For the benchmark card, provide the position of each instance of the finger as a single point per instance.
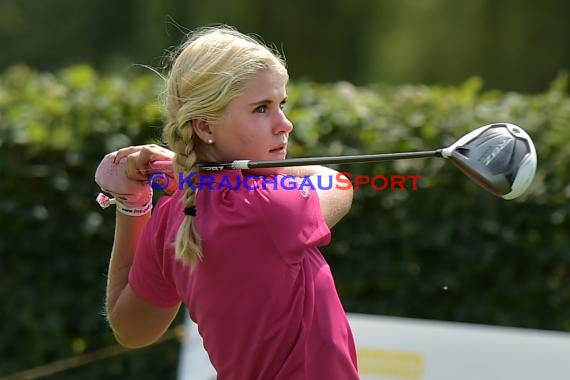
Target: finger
(159, 166)
(125, 152)
(161, 153)
(155, 153)
(153, 158)
(151, 152)
(145, 158)
(132, 169)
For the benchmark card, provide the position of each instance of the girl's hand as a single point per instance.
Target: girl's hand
(126, 176)
(140, 159)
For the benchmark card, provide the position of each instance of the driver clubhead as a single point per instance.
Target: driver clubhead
(500, 157)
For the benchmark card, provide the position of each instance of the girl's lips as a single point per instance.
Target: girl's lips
(279, 149)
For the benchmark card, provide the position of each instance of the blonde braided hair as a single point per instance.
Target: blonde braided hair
(188, 247)
(210, 69)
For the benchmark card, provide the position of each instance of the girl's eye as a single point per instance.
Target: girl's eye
(282, 104)
(261, 109)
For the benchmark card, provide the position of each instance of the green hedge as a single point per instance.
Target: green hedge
(447, 251)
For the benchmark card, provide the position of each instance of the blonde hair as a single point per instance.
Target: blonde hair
(210, 69)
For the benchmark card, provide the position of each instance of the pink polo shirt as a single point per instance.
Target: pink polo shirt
(263, 297)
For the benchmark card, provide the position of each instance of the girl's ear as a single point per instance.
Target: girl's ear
(202, 130)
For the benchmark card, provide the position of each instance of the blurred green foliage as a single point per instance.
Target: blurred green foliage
(515, 45)
(447, 251)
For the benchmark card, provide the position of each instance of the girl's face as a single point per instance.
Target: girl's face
(254, 126)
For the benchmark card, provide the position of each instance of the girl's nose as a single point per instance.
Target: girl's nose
(283, 124)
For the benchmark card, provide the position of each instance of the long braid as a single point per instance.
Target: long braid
(188, 243)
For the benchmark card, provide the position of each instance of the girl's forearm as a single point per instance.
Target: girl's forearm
(128, 230)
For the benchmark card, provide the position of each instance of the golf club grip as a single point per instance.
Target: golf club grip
(251, 164)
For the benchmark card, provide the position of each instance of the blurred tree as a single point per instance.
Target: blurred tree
(518, 45)
(513, 45)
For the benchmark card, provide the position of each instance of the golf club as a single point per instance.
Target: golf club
(499, 157)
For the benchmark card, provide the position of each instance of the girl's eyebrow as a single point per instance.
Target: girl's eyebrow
(266, 101)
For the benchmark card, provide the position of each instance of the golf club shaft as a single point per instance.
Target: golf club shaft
(251, 164)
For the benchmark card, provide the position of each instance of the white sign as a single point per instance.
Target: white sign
(411, 349)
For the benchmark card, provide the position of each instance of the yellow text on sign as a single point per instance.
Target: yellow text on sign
(401, 364)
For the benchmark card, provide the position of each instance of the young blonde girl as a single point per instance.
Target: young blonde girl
(244, 260)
